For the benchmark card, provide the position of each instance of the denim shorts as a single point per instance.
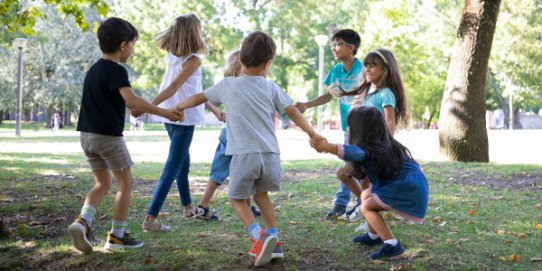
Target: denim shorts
(220, 168)
(254, 172)
(106, 152)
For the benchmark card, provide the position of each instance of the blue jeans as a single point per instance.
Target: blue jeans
(177, 167)
(342, 196)
(220, 168)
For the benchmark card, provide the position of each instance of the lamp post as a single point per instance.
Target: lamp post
(321, 40)
(20, 43)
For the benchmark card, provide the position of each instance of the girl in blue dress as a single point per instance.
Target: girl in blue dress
(396, 182)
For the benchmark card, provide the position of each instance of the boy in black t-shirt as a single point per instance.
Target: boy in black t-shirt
(106, 94)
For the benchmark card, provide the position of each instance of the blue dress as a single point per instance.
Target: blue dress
(406, 193)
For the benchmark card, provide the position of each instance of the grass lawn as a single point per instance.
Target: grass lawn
(480, 217)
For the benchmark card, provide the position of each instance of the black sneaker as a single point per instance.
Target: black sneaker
(113, 242)
(255, 211)
(366, 240)
(387, 250)
(338, 210)
(81, 235)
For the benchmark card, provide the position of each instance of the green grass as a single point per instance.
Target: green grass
(468, 227)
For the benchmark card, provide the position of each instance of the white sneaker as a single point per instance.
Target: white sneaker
(363, 227)
(355, 216)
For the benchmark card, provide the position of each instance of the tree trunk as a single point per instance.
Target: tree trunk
(462, 127)
(502, 101)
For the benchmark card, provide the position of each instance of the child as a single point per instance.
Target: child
(106, 93)
(345, 75)
(383, 89)
(250, 101)
(220, 167)
(182, 79)
(390, 167)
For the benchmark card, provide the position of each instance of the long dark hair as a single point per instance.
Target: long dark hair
(391, 78)
(369, 131)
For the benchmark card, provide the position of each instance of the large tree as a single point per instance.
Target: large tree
(462, 127)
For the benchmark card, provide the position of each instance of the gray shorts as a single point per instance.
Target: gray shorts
(253, 172)
(106, 152)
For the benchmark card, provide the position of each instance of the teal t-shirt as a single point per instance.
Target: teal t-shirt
(380, 99)
(347, 81)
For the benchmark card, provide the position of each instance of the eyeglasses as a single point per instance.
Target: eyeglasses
(337, 44)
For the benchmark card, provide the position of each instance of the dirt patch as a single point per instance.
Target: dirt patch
(515, 182)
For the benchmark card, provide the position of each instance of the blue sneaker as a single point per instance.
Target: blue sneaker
(366, 240)
(387, 250)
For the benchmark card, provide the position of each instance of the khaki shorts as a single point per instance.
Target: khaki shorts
(106, 152)
(253, 172)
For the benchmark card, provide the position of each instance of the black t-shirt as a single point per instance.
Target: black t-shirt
(102, 107)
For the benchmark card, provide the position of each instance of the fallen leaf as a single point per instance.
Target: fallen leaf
(536, 259)
(377, 262)
(497, 197)
(453, 229)
(461, 240)
(103, 217)
(508, 242)
(540, 216)
(163, 215)
(148, 260)
(513, 258)
(538, 226)
(522, 235)
(400, 267)
(437, 219)
(200, 234)
(472, 212)
(295, 223)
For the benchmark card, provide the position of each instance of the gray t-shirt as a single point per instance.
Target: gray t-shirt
(250, 103)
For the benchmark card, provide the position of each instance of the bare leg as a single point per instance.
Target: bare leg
(371, 211)
(102, 184)
(350, 182)
(266, 208)
(243, 211)
(124, 192)
(208, 193)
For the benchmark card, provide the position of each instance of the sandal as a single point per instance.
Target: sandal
(155, 226)
(208, 214)
(192, 212)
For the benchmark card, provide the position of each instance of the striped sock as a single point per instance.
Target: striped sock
(87, 213)
(254, 231)
(118, 227)
(272, 232)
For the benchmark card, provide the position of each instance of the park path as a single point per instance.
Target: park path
(506, 146)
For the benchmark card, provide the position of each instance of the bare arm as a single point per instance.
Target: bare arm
(192, 101)
(136, 103)
(322, 146)
(189, 67)
(320, 100)
(221, 116)
(389, 117)
(293, 113)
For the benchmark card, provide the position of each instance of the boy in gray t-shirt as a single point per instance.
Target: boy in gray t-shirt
(250, 103)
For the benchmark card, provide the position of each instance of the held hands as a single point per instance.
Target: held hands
(135, 113)
(174, 114)
(221, 116)
(300, 106)
(317, 141)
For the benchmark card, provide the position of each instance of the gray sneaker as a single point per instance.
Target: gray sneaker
(81, 235)
(277, 251)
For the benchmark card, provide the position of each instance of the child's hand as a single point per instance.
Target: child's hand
(135, 113)
(300, 106)
(321, 146)
(221, 116)
(175, 115)
(333, 92)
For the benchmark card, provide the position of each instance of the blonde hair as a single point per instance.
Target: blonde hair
(183, 37)
(233, 65)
